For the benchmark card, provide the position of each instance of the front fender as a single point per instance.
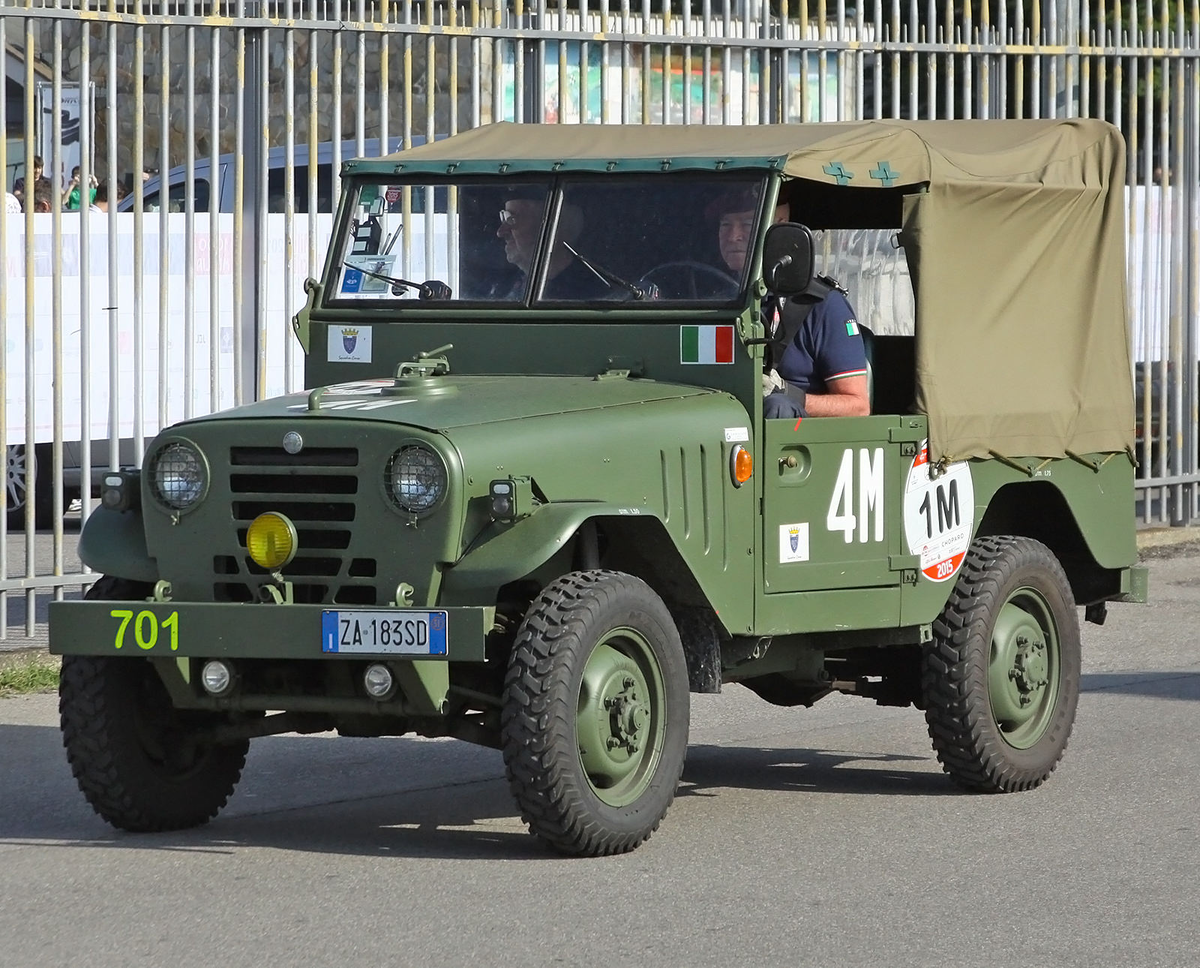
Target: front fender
(114, 543)
(506, 552)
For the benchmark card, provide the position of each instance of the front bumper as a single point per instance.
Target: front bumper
(279, 651)
(232, 630)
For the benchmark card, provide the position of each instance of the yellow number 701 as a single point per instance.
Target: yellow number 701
(145, 628)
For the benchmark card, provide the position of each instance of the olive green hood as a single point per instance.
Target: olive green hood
(446, 402)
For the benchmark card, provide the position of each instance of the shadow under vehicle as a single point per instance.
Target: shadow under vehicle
(538, 516)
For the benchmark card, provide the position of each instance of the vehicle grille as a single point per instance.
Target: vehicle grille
(317, 489)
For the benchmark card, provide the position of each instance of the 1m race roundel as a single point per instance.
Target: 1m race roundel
(939, 515)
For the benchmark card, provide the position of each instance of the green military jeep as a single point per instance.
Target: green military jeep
(533, 502)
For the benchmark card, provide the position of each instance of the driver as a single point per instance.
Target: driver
(567, 277)
(821, 371)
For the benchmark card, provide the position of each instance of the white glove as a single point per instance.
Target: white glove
(772, 382)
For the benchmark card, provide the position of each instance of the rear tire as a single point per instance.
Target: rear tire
(1001, 677)
(142, 764)
(595, 720)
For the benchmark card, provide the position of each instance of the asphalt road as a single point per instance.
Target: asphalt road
(822, 837)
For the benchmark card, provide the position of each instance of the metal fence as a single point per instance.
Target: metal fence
(227, 123)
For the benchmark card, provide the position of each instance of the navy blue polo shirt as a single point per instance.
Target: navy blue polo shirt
(827, 346)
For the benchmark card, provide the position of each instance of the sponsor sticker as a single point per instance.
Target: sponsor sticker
(793, 542)
(705, 344)
(349, 344)
(939, 515)
(737, 435)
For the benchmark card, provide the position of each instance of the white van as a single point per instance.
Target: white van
(206, 185)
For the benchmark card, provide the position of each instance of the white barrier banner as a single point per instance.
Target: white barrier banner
(171, 347)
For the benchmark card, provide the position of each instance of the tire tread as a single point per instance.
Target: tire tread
(537, 723)
(957, 711)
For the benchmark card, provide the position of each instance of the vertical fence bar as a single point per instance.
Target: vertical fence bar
(705, 59)
(431, 122)
(239, 215)
(30, 427)
(335, 128)
(261, 154)
(139, 259)
(189, 216)
(289, 197)
(56, 295)
(686, 29)
(314, 161)
(1190, 146)
(214, 222)
(897, 35)
(164, 238)
(360, 88)
(114, 290)
(86, 175)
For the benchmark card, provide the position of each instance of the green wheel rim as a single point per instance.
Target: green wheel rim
(621, 717)
(1024, 668)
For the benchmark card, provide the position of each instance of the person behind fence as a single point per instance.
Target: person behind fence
(73, 196)
(817, 366)
(567, 276)
(41, 200)
(37, 183)
(100, 198)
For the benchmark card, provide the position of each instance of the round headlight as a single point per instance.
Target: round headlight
(416, 478)
(178, 475)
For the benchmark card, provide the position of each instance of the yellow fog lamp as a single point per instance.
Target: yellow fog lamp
(741, 465)
(271, 540)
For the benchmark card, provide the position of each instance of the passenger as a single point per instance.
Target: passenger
(820, 370)
(567, 276)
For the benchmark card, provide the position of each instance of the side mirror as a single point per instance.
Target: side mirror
(788, 258)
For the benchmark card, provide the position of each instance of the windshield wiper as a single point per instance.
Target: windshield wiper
(432, 290)
(610, 278)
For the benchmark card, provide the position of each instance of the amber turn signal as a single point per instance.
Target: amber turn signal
(741, 465)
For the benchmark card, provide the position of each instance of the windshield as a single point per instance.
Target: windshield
(636, 239)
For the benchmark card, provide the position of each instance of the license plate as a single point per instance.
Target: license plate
(384, 632)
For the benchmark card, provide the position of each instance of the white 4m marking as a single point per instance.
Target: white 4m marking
(841, 515)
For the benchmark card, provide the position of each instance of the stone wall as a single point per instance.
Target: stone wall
(403, 105)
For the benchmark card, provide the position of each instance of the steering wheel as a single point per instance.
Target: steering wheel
(688, 279)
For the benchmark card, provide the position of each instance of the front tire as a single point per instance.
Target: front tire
(142, 764)
(1001, 677)
(594, 727)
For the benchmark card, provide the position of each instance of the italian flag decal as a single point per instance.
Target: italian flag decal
(705, 344)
